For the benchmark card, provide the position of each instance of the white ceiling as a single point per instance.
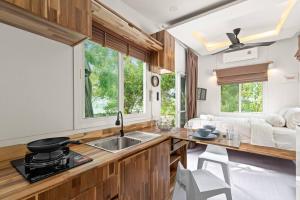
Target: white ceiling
(253, 16)
(165, 11)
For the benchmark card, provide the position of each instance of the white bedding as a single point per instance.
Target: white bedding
(251, 130)
(262, 133)
(284, 138)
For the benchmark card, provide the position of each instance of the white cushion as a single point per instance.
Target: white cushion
(275, 120)
(292, 117)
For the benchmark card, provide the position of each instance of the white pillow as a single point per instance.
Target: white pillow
(283, 111)
(275, 120)
(292, 117)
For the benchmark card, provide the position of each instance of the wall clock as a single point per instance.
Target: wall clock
(154, 81)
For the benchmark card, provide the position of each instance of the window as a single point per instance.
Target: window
(133, 85)
(168, 100)
(245, 97)
(113, 82)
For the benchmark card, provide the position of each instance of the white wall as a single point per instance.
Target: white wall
(37, 88)
(36, 85)
(278, 93)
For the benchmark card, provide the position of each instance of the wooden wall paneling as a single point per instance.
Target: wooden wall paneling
(134, 177)
(107, 181)
(159, 171)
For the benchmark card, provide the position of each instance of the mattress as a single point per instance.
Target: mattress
(284, 138)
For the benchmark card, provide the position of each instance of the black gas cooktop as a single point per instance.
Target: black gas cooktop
(35, 167)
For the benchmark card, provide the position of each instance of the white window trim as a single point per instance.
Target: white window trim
(80, 122)
(240, 113)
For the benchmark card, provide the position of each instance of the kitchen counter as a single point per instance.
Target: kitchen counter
(14, 186)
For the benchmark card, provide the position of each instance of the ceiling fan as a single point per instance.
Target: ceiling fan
(236, 45)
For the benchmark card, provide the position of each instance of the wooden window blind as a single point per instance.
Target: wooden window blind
(243, 74)
(114, 41)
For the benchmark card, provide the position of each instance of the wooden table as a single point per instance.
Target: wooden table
(233, 145)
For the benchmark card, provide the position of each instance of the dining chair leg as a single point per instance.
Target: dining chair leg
(228, 194)
(226, 173)
(200, 163)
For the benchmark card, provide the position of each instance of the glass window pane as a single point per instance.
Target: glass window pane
(182, 93)
(101, 80)
(133, 85)
(252, 97)
(230, 98)
(168, 96)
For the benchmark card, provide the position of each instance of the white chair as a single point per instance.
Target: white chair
(216, 154)
(198, 185)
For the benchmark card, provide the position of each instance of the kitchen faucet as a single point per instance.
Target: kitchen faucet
(118, 122)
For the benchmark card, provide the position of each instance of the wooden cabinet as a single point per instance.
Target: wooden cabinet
(142, 176)
(90, 194)
(159, 171)
(72, 14)
(134, 177)
(67, 21)
(107, 181)
(164, 60)
(146, 175)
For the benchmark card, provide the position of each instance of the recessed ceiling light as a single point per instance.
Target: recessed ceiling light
(173, 8)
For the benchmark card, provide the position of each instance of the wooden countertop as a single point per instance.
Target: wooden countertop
(243, 147)
(14, 186)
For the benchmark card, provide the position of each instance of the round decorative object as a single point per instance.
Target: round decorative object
(154, 81)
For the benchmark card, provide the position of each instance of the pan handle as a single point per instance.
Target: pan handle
(64, 143)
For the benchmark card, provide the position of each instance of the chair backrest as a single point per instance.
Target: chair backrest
(186, 187)
(216, 149)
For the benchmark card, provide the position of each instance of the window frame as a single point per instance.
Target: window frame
(80, 122)
(264, 100)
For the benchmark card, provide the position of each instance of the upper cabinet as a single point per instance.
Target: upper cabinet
(164, 60)
(66, 21)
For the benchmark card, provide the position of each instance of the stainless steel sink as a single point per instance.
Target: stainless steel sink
(116, 144)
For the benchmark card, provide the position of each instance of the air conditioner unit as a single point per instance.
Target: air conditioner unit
(246, 54)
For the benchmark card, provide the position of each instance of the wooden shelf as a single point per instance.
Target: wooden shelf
(178, 145)
(18, 17)
(118, 24)
(174, 159)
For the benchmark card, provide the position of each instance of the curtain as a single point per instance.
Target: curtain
(297, 55)
(88, 92)
(243, 74)
(192, 81)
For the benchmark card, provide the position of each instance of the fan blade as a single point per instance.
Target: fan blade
(259, 44)
(237, 31)
(223, 51)
(232, 38)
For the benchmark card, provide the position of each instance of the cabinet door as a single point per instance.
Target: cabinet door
(107, 181)
(72, 14)
(37, 7)
(160, 171)
(90, 194)
(134, 177)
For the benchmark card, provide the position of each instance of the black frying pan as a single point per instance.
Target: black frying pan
(49, 144)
